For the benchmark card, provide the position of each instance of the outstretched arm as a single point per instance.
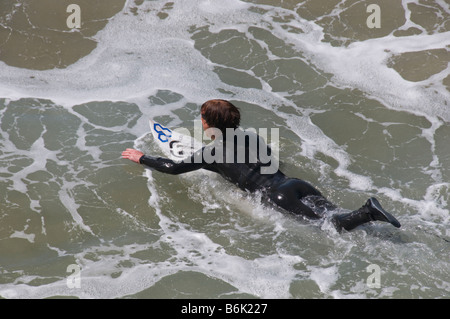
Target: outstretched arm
(161, 164)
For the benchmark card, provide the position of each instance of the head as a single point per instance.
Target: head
(220, 114)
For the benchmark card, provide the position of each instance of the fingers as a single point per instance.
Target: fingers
(132, 154)
(128, 151)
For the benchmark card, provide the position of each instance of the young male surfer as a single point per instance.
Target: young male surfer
(291, 194)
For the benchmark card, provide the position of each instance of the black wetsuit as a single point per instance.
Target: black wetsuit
(277, 188)
(240, 163)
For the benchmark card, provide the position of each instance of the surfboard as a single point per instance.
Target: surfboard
(177, 144)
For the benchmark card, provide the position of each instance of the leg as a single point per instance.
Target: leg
(371, 211)
(319, 204)
(289, 194)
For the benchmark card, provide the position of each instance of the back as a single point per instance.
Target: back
(242, 157)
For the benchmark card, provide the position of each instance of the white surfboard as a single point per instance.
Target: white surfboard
(173, 143)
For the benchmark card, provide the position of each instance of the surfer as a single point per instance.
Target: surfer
(291, 194)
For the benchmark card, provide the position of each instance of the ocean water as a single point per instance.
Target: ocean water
(361, 111)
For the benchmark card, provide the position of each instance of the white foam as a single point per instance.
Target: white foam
(72, 207)
(324, 277)
(315, 141)
(134, 58)
(23, 235)
(220, 7)
(137, 55)
(363, 65)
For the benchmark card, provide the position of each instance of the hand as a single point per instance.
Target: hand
(132, 155)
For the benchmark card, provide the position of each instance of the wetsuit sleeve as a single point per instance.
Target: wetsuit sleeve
(168, 166)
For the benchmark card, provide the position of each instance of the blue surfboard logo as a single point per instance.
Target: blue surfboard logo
(163, 132)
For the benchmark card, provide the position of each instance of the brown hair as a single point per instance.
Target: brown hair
(221, 114)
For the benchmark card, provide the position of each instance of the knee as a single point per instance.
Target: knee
(293, 205)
